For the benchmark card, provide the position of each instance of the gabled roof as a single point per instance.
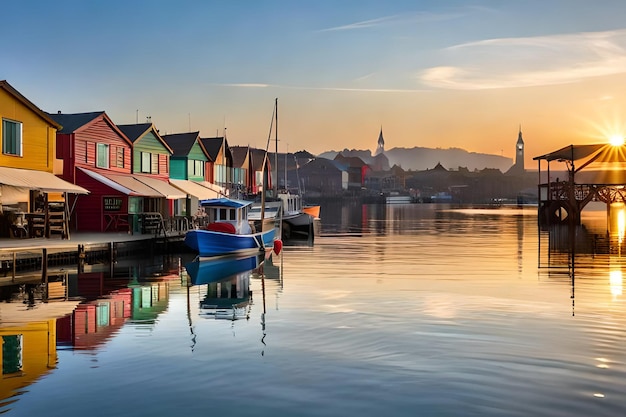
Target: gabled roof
(72, 122)
(4, 85)
(213, 146)
(181, 143)
(75, 122)
(239, 155)
(136, 131)
(256, 159)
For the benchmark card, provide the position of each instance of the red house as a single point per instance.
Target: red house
(97, 156)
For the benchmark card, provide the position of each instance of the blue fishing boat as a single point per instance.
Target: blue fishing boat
(228, 230)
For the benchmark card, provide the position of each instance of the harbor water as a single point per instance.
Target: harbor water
(403, 310)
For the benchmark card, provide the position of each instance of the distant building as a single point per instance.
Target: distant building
(518, 167)
(322, 177)
(379, 162)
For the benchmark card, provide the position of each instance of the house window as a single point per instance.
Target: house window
(199, 168)
(120, 156)
(146, 162)
(11, 137)
(155, 163)
(102, 155)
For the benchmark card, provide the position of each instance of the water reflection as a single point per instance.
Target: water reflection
(77, 308)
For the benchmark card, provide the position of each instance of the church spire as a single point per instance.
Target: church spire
(381, 143)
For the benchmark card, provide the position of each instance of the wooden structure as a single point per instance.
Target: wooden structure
(593, 173)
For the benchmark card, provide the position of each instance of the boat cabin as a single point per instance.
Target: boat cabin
(221, 211)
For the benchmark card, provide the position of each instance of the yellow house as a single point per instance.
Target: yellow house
(28, 133)
(28, 165)
(28, 353)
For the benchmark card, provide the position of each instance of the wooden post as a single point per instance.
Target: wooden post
(44, 271)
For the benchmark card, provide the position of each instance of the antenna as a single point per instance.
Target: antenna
(189, 121)
(137, 116)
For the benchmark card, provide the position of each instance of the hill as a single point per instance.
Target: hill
(420, 159)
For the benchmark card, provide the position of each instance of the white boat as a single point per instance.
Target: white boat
(294, 222)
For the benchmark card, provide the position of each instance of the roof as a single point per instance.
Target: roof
(351, 161)
(239, 154)
(136, 131)
(4, 85)
(37, 180)
(213, 146)
(571, 153)
(181, 143)
(72, 122)
(224, 202)
(256, 159)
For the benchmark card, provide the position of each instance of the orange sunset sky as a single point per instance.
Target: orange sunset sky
(430, 73)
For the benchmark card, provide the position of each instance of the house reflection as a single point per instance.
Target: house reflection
(31, 336)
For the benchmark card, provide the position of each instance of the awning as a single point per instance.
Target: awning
(170, 192)
(195, 189)
(213, 187)
(124, 183)
(38, 180)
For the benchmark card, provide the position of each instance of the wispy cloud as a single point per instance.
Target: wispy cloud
(530, 61)
(395, 20)
(245, 85)
(310, 88)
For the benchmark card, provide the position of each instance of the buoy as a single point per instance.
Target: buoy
(278, 245)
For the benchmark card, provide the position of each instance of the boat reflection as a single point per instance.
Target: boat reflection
(227, 280)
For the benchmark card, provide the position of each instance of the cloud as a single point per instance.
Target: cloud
(395, 20)
(245, 85)
(530, 61)
(300, 87)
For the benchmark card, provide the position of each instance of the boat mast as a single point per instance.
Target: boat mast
(276, 153)
(265, 175)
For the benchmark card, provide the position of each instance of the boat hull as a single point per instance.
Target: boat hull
(298, 226)
(213, 243)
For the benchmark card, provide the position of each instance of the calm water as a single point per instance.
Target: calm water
(408, 310)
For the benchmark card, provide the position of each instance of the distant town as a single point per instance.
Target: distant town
(359, 174)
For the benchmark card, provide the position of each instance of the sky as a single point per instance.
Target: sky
(429, 73)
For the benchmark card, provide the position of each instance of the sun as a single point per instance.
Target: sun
(616, 140)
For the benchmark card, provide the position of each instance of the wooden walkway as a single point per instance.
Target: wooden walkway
(77, 238)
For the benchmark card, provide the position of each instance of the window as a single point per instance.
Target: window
(11, 137)
(102, 155)
(155, 163)
(146, 162)
(199, 169)
(120, 156)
